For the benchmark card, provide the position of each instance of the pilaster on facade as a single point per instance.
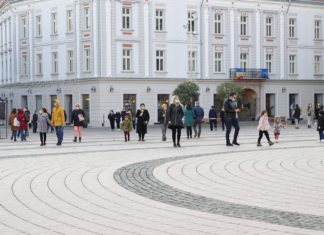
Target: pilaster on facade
(282, 45)
(95, 38)
(31, 44)
(232, 37)
(18, 56)
(108, 38)
(146, 39)
(78, 38)
(205, 63)
(258, 38)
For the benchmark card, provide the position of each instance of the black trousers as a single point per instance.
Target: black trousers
(176, 132)
(35, 127)
(261, 135)
(42, 137)
(229, 123)
(112, 125)
(213, 124)
(118, 124)
(223, 124)
(141, 135)
(189, 131)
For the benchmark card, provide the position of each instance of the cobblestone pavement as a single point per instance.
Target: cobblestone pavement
(106, 186)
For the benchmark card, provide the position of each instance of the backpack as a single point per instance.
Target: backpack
(16, 123)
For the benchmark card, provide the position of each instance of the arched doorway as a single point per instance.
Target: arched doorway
(248, 105)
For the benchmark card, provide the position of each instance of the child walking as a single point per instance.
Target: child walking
(263, 128)
(127, 128)
(320, 125)
(277, 128)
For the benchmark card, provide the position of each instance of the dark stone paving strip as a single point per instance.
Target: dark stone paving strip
(139, 179)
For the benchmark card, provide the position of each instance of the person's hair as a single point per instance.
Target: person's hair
(77, 105)
(296, 106)
(14, 111)
(232, 94)
(263, 112)
(277, 119)
(188, 106)
(212, 106)
(44, 110)
(142, 104)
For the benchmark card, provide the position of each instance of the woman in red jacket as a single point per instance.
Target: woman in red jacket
(22, 118)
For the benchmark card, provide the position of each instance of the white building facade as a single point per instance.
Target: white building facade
(110, 54)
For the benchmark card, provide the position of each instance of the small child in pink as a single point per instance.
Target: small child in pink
(263, 128)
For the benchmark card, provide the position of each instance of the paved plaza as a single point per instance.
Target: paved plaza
(106, 186)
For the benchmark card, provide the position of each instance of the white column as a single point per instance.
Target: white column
(146, 39)
(206, 41)
(95, 38)
(12, 49)
(108, 38)
(5, 52)
(232, 40)
(282, 45)
(258, 39)
(9, 50)
(77, 39)
(31, 45)
(17, 49)
(1, 55)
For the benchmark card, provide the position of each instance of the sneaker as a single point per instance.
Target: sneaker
(174, 145)
(235, 143)
(270, 143)
(259, 144)
(229, 144)
(178, 144)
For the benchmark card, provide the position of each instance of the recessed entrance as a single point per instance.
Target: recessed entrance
(248, 105)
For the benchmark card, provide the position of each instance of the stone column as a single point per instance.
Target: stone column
(232, 37)
(95, 38)
(258, 39)
(282, 45)
(108, 38)
(206, 42)
(77, 39)
(146, 39)
(31, 46)
(17, 71)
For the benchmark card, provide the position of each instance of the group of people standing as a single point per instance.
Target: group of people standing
(19, 123)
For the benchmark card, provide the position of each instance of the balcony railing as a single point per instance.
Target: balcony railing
(249, 74)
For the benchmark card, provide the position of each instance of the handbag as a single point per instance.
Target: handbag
(80, 117)
(16, 123)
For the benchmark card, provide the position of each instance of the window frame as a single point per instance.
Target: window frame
(127, 60)
(292, 27)
(218, 62)
(70, 61)
(292, 68)
(87, 60)
(317, 65)
(69, 21)
(127, 18)
(159, 20)
(54, 23)
(318, 30)
(192, 61)
(244, 25)
(218, 23)
(244, 60)
(55, 66)
(39, 64)
(39, 31)
(160, 60)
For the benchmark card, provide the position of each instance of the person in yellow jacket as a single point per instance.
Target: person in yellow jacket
(58, 121)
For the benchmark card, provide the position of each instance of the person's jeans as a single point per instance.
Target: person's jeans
(321, 135)
(189, 131)
(59, 134)
(197, 123)
(23, 135)
(223, 124)
(213, 124)
(34, 127)
(176, 134)
(14, 135)
(229, 123)
(163, 127)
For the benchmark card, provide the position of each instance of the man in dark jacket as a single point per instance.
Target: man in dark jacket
(213, 118)
(163, 120)
(198, 117)
(34, 122)
(111, 118)
(118, 119)
(296, 115)
(231, 110)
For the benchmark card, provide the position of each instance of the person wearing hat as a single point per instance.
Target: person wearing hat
(175, 116)
(143, 118)
(127, 127)
(163, 120)
(58, 121)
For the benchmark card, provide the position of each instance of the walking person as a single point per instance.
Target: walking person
(34, 121)
(163, 120)
(317, 110)
(111, 118)
(277, 128)
(123, 114)
(231, 119)
(296, 115)
(78, 119)
(175, 115)
(213, 118)
(14, 124)
(127, 128)
(320, 125)
(222, 118)
(58, 121)
(188, 120)
(309, 116)
(143, 118)
(118, 119)
(27, 113)
(198, 118)
(42, 125)
(23, 124)
(263, 128)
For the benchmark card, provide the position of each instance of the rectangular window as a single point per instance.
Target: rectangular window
(318, 25)
(269, 23)
(244, 61)
(292, 28)
(192, 62)
(218, 62)
(192, 21)
(127, 11)
(69, 21)
(38, 26)
(86, 17)
(24, 28)
(54, 62)
(244, 26)
(70, 63)
(218, 22)
(271, 104)
(24, 67)
(159, 20)
(39, 64)
(87, 60)
(317, 65)
(269, 63)
(159, 60)
(127, 59)
(54, 23)
(292, 64)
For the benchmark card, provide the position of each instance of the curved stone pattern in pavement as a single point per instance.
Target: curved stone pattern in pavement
(139, 178)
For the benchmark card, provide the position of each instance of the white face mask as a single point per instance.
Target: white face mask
(40, 111)
(177, 101)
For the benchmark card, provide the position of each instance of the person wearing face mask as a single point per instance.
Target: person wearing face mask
(231, 119)
(42, 125)
(175, 116)
(58, 121)
(78, 119)
(143, 118)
